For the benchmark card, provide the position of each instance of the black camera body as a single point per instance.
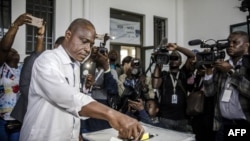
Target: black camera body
(216, 52)
(102, 50)
(161, 55)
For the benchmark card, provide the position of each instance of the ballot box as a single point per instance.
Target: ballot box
(161, 134)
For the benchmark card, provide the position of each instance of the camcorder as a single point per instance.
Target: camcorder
(160, 55)
(215, 51)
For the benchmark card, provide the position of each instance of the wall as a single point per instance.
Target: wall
(210, 19)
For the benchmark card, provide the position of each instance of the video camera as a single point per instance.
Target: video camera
(216, 51)
(160, 55)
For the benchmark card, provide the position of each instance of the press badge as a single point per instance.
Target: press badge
(226, 95)
(174, 99)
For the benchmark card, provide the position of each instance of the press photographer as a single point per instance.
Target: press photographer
(135, 85)
(208, 58)
(171, 88)
(229, 85)
(100, 82)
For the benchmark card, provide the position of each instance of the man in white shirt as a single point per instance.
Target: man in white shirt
(55, 101)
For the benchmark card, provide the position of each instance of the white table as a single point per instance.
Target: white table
(162, 134)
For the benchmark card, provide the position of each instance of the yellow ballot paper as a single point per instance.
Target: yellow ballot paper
(147, 136)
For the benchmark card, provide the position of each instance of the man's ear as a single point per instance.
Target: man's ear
(67, 34)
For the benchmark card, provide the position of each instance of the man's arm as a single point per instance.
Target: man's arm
(39, 42)
(126, 126)
(8, 39)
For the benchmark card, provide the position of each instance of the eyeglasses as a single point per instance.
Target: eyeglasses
(173, 58)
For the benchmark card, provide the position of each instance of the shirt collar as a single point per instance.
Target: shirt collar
(64, 56)
(239, 63)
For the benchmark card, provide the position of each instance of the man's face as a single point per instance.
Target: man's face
(13, 56)
(112, 56)
(237, 46)
(174, 60)
(80, 42)
(151, 108)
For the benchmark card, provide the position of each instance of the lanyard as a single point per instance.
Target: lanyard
(174, 81)
(96, 78)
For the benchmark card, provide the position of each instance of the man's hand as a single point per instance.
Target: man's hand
(103, 60)
(41, 30)
(23, 19)
(171, 46)
(222, 66)
(127, 127)
(137, 105)
(89, 81)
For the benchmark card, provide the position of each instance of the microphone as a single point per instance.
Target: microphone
(195, 42)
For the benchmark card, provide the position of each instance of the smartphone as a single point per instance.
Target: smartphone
(37, 22)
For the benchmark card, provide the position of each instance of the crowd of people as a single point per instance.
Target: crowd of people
(77, 88)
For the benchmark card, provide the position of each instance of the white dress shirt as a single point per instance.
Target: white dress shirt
(54, 99)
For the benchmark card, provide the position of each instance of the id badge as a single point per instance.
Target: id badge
(226, 95)
(174, 99)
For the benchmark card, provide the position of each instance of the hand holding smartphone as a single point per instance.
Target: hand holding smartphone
(37, 22)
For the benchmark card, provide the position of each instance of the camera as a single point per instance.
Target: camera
(216, 51)
(136, 70)
(37, 22)
(102, 48)
(160, 55)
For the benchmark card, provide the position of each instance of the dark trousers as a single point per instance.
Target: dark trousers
(202, 124)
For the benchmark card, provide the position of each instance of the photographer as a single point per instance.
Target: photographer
(135, 85)
(228, 83)
(102, 87)
(171, 88)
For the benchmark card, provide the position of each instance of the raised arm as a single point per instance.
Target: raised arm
(8, 39)
(39, 42)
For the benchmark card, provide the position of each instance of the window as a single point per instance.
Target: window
(42, 9)
(127, 28)
(159, 30)
(5, 16)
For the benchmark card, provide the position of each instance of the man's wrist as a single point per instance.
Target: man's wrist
(15, 26)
